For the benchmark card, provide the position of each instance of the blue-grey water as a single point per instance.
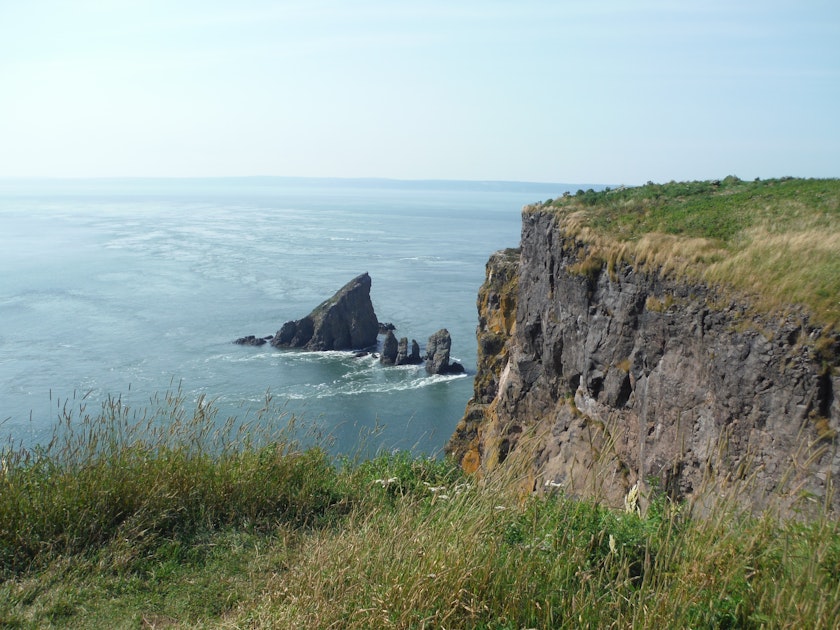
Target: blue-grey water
(133, 287)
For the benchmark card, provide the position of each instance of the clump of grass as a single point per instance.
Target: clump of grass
(659, 305)
(778, 239)
(487, 560)
(590, 268)
(624, 365)
(823, 427)
(111, 476)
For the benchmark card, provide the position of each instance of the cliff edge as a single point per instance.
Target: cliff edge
(617, 351)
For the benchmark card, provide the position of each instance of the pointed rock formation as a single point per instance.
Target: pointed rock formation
(404, 357)
(346, 321)
(389, 349)
(396, 352)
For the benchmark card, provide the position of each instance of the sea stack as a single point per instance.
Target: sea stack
(346, 321)
(437, 354)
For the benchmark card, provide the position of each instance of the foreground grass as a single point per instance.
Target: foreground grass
(776, 239)
(183, 527)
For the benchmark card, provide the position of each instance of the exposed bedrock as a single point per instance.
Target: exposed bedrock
(598, 379)
(346, 321)
(397, 352)
(437, 354)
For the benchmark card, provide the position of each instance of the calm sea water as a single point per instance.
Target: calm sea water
(131, 288)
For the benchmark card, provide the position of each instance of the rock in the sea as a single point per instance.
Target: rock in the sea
(397, 353)
(406, 357)
(402, 352)
(437, 354)
(346, 321)
(384, 327)
(250, 340)
(414, 357)
(390, 348)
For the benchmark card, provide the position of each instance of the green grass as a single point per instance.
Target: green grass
(175, 522)
(107, 477)
(778, 240)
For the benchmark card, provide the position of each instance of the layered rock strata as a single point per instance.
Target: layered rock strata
(596, 379)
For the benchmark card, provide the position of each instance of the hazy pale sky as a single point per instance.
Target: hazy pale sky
(600, 91)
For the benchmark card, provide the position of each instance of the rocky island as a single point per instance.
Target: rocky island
(347, 321)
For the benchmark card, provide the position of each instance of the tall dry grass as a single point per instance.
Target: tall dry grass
(776, 240)
(188, 522)
(484, 557)
(115, 475)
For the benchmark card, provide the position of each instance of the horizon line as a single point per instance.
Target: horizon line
(286, 177)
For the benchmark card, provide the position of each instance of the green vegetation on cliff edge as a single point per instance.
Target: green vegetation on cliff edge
(777, 240)
(173, 520)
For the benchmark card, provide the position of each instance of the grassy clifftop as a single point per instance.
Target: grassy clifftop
(777, 240)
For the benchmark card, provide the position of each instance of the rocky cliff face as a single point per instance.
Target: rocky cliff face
(496, 304)
(601, 376)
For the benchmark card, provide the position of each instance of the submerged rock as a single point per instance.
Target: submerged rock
(250, 340)
(346, 321)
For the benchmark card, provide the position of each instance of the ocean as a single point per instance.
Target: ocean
(130, 288)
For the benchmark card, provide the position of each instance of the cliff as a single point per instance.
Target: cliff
(604, 363)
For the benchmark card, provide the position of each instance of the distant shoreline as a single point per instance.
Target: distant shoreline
(63, 184)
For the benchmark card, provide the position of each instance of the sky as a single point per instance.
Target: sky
(597, 91)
